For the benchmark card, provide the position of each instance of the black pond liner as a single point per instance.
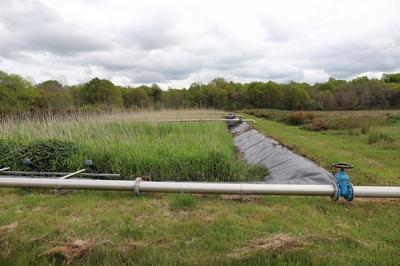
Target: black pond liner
(284, 166)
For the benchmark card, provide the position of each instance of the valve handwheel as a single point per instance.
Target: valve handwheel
(343, 165)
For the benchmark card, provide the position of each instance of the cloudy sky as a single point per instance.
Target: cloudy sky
(174, 43)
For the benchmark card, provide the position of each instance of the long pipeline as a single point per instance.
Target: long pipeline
(196, 187)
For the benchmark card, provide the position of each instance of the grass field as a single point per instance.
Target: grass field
(104, 228)
(128, 144)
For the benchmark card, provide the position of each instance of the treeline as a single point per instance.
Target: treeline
(17, 95)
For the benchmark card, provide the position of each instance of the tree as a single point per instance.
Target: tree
(17, 94)
(101, 91)
(297, 97)
(391, 78)
(138, 97)
(54, 96)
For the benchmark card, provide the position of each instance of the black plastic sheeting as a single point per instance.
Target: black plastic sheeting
(284, 166)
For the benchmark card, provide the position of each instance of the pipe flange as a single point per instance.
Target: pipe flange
(136, 186)
(335, 196)
(351, 194)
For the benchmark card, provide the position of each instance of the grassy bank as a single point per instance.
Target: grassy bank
(127, 144)
(374, 152)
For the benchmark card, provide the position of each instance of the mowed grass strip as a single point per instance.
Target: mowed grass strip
(153, 150)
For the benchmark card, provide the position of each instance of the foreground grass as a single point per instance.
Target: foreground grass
(126, 144)
(99, 228)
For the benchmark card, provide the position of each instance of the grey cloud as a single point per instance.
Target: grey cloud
(348, 59)
(22, 13)
(159, 47)
(31, 26)
(377, 50)
(155, 33)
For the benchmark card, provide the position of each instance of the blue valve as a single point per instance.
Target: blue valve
(343, 186)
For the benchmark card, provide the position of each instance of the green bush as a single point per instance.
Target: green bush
(45, 155)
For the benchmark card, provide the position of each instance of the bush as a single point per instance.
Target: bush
(318, 125)
(393, 118)
(353, 132)
(48, 155)
(299, 118)
(365, 129)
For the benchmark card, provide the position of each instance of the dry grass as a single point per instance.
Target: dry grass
(8, 228)
(275, 242)
(54, 126)
(72, 250)
(121, 116)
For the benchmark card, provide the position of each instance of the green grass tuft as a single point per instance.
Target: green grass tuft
(182, 201)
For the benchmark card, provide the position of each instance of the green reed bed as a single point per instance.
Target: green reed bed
(154, 150)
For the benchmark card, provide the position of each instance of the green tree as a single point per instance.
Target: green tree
(391, 78)
(101, 91)
(54, 96)
(134, 98)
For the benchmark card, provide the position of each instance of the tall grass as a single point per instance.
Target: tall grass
(125, 143)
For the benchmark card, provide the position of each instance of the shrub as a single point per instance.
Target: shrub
(47, 155)
(393, 118)
(353, 132)
(299, 118)
(365, 129)
(318, 125)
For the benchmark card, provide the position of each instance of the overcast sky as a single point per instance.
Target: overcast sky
(175, 43)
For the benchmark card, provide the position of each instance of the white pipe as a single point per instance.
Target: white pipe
(4, 169)
(54, 174)
(234, 120)
(73, 174)
(197, 187)
(376, 192)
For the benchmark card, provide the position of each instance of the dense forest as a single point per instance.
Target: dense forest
(17, 95)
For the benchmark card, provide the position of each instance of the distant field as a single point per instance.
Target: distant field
(132, 144)
(110, 228)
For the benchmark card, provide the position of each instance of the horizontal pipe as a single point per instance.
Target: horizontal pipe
(236, 188)
(30, 174)
(376, 192)
(197, 187)
(237, 120)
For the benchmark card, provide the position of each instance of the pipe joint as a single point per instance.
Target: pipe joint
(136, 186)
